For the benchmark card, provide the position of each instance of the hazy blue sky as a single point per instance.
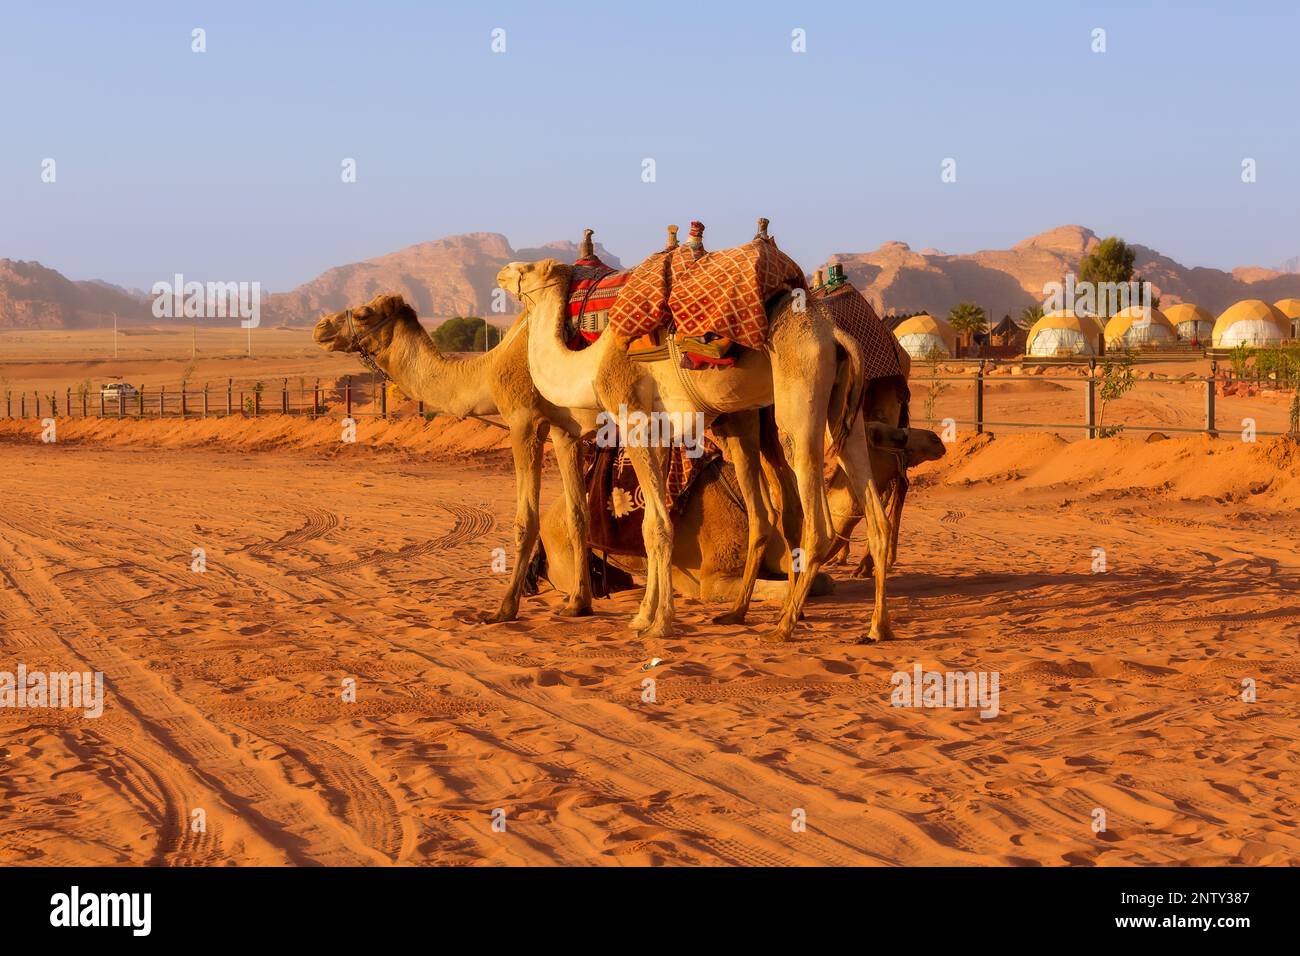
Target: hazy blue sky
(226, 165)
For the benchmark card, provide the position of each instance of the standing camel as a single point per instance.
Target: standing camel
(387, 332)
(797, 372)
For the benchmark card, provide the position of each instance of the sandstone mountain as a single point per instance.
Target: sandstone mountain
(34, 297)
(896, 279)
(456, 276)
(442, 278)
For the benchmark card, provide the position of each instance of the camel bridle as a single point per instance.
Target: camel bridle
(355, 339)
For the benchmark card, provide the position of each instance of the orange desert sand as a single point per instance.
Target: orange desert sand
(1119, 691)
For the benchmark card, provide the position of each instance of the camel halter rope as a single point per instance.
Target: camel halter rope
(355, 339)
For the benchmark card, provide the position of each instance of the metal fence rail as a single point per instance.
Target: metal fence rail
(1089, 383)
(354, 399)
(165, 401)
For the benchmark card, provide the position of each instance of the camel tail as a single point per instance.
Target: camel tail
(846, 393)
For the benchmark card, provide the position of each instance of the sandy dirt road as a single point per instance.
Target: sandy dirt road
(1119, 691)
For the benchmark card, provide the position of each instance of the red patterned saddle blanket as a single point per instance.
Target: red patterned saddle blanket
(706, 295)
(593, 289)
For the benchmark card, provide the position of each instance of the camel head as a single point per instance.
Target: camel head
(369, 327)
(923, 445)
(917, 444)
(524, 279)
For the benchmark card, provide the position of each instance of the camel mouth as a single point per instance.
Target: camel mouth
(326, 334)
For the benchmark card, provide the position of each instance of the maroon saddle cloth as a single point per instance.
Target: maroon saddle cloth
(852, 313)
(616, 503)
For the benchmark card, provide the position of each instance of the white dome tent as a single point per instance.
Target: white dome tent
(1063, 333)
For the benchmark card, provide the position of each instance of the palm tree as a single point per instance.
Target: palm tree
(1031, 314)
(968, 319)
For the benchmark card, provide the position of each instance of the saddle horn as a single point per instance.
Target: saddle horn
(696, 240)
(586, 249)
(672, 238)
(762, 230)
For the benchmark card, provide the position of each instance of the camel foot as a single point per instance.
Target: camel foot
(730, 617)
(655, 632)
(574, 610)
(878, 634)
(499, 616)
(774, 637)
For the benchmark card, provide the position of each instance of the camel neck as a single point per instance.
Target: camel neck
(446, 386)
(563, 377)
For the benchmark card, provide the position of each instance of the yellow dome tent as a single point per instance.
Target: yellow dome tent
(1291, 309)
(1063, 333)
(924, 336)
(1191, 322)
(1139, 327)
(1251, 322)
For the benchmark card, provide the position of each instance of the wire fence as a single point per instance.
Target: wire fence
(1091, 384)
(353, 398)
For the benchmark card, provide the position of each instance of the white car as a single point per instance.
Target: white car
(111, 392)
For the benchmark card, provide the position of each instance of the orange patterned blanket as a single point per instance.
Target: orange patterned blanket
(724, 293)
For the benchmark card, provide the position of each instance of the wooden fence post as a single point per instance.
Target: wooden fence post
(257, 402)
(1091, 404)
(1210, 425)
(347, 397)
(38, 403)
(979, 399)
(284, 398)
(67, 402)
(315, 399)
(101, 402)
(230, 382)
(383, 399)
(162, 399)
(121, 403)
(205, 399)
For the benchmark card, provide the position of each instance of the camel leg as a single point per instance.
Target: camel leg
(568, 453)
(855, 460)
(527, 436)
(738, 434)
(617, 384)
(654, 618)
(780, 484)
(803, 373)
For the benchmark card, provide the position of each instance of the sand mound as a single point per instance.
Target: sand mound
(1185, 468)
(439, 437)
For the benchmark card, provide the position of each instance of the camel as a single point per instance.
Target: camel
(710, 533)
(800, 373)
(387, 332)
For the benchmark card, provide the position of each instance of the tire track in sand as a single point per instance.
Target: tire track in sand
(469, 524)
(172, 736)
